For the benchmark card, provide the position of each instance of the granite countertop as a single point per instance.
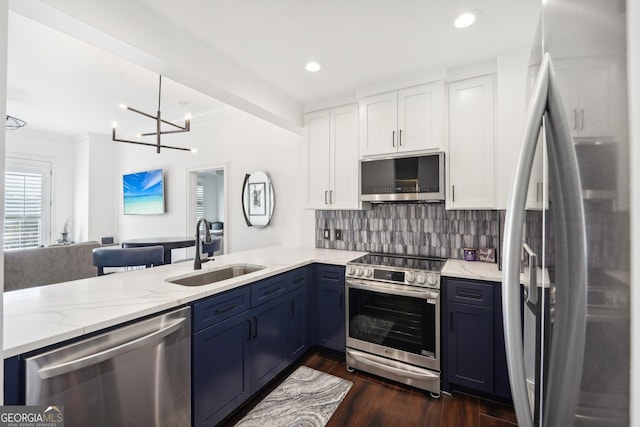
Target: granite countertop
(45, 315)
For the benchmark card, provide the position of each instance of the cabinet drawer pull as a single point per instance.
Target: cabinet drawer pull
(469, 294)
(298, 279)
(330, 276)
(272, 290)
(227, 308)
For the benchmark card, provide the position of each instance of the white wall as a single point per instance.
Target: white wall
(103, 182)
(60, 151)
(244, 144)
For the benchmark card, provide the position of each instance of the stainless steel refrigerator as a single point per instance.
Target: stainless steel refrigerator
(567, 340)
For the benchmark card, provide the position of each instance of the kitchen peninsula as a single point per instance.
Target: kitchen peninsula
(38, 317)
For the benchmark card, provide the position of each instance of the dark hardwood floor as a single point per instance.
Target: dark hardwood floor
(373, 401)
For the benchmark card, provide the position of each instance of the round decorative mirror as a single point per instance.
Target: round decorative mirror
(258, 199)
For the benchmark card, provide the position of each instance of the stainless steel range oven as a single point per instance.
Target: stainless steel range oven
(393, 318)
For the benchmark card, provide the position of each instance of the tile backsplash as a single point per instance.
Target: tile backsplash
(412, 229)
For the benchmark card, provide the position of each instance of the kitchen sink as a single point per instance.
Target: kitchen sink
(213, 276)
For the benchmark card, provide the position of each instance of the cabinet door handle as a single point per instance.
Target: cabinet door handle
(575, 118)
(325, 197)
(248, 330)
(227, 308)
(255, 326)
(581, 118)
(400, 137)
(393, 138)
(453, 193)
(330, 197)
(451, 320)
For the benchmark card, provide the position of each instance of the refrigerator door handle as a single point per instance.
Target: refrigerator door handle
(512, 245)
(569, 331)
(567, 347)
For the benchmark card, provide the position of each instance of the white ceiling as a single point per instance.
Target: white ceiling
(61, 84)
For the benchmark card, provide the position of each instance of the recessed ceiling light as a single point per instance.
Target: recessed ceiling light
(464, 20)
(312, 66)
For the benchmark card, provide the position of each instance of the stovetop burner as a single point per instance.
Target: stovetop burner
(397, 269)
(401, 261)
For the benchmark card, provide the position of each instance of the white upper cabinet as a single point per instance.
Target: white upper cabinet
(588, 88)
(331, 159)
(471, 161)
(410, 119)
(317, 157)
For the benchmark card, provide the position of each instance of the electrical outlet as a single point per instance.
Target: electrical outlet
(326, 234)
(338, 234)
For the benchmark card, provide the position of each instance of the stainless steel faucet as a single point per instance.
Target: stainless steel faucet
(197, 263)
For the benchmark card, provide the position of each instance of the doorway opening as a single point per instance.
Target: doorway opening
(207, 199)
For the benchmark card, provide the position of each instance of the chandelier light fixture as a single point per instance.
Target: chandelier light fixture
(159, 131)
(14, 123)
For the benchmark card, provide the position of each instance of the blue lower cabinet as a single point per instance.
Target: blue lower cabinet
(473, 338)
(470, 350)
(330, 311)
(221, 377)
(268, 342)
(237, 356)
(298, 326)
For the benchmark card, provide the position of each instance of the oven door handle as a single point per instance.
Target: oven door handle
(422, 375)
(422, 293)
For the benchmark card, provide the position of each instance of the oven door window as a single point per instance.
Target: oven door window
(398, 322)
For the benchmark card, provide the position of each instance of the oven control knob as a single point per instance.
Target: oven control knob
(368, 273)
(432, 280)
(409, 278)
(358, 271)
(350, 270)
(421, 279)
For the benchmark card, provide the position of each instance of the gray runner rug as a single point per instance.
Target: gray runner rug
(306, 398)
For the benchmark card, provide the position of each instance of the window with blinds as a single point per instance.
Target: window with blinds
(26, 208)
(199, 199)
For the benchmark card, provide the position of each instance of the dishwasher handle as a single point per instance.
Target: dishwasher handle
(92, 359)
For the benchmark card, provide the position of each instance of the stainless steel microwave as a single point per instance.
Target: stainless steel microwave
(408, 178)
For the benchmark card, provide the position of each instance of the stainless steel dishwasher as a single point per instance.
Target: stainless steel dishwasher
(137, 375)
